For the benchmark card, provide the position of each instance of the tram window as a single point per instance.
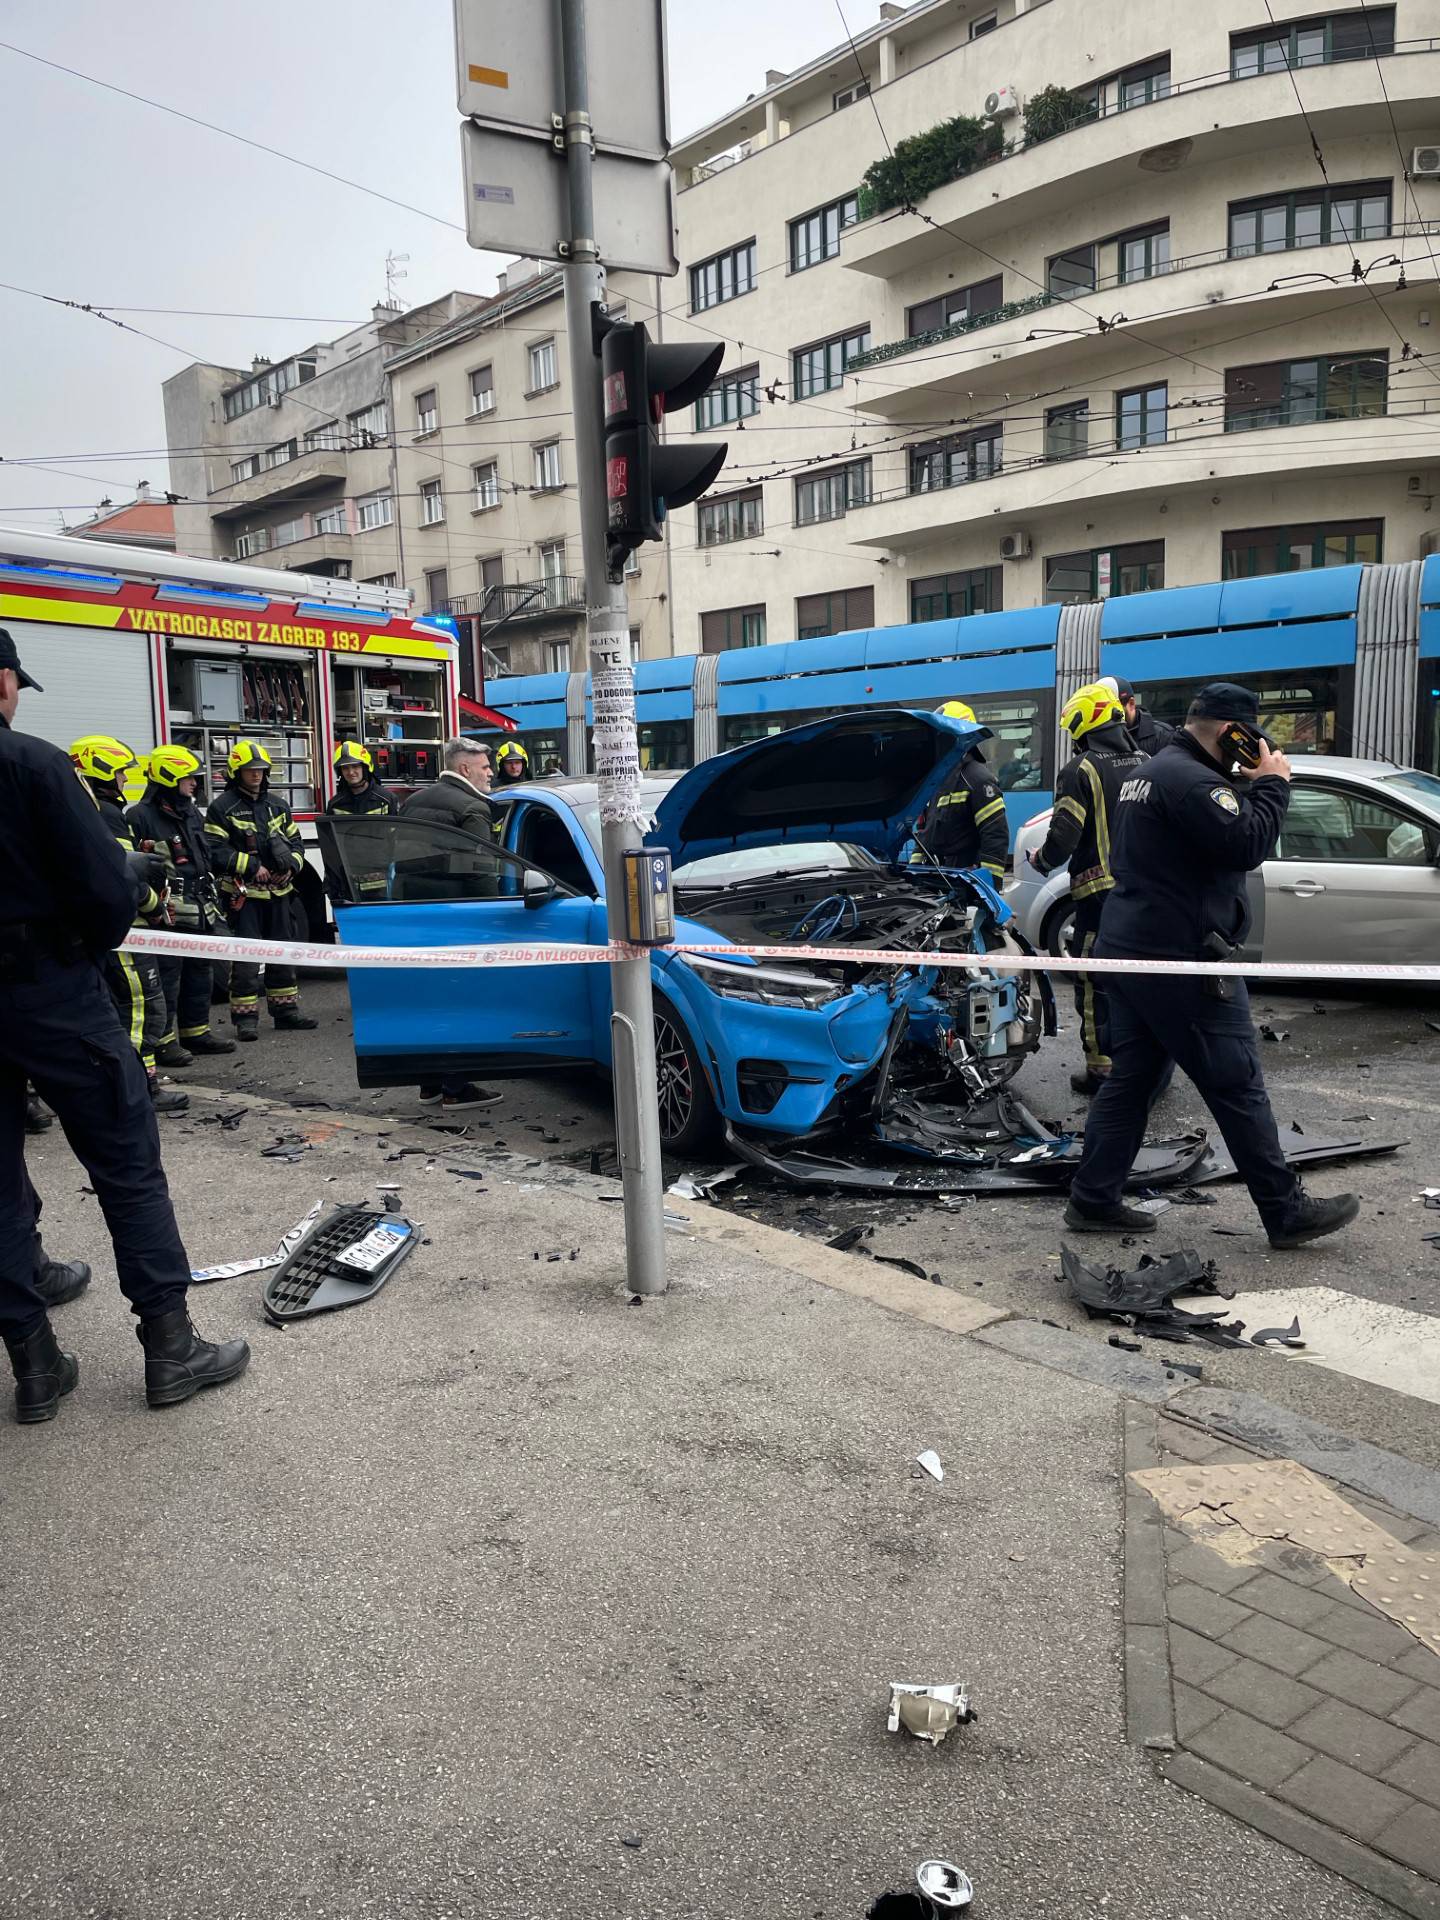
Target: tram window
(665, 746)
(547, 753)
(739, 729)
(1299, 710)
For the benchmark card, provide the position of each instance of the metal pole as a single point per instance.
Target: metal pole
(607, 627)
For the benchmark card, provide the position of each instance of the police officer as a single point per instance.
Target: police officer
(1080, 830)
(255, 852)
(512, 764)
(103, 763)
(1148, 733)
(966, 826)
(1189, 825)
(167, 821)
(68, 895)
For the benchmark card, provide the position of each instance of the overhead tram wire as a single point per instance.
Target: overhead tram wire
(1405, 174)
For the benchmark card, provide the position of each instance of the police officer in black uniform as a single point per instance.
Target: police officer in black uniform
(1148, 733)
(967, 826)
(1189, 825)
(68, 895)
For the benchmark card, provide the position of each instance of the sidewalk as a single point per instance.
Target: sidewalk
(502, 1595)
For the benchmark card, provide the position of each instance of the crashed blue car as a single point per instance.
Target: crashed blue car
(792, 840)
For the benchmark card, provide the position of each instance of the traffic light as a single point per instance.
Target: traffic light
(644, 476)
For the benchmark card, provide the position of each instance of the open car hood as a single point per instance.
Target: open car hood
(859, 778)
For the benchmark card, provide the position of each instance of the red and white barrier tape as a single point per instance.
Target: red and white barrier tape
(289, 953)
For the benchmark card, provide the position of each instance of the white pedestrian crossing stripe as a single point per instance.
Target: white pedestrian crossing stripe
(1345, 1333)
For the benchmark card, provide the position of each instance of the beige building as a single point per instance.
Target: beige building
(1125, 348)
(488, 507)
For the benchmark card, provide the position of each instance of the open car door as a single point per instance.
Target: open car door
(415, 883)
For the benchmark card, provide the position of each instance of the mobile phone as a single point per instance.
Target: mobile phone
(1241, 744)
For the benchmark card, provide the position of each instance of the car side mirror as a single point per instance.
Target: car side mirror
(537, 888)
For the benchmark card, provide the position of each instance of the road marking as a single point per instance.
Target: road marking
(1345, 1333)
(1363, 1095)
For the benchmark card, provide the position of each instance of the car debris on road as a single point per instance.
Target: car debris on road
(929, 1712)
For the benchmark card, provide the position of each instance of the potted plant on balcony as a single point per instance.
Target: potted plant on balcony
(1054, 110)
(928, 160)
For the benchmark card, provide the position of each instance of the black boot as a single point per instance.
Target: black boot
(247, 1026)
(167, 1099)
(291, 1020)
(178, 1362)
(42, 1374)
(1311, 1217)
(37, 1118)
(208, 1042)
(172, 1054)
(1116, 1219)
(57, 1281)
(1087, 1082)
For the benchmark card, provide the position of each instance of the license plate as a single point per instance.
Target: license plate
(377, 1246)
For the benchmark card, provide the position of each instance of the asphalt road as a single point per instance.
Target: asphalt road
(1367, 1064)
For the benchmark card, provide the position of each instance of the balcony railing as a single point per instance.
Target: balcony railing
(524, 600)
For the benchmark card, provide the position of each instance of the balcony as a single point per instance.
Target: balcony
(524, 600)
(311, 473)
(1207, 118)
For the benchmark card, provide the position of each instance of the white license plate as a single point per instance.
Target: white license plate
(377, 1246)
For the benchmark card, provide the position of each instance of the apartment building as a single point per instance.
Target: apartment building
(293, 460)
(488, 507)
(1161, 308)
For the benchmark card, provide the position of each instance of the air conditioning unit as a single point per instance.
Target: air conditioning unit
(1002, 104)
(276, 399)
(1015, 545)
(1425, 163)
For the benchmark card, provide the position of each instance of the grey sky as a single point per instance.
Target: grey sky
(112, 203)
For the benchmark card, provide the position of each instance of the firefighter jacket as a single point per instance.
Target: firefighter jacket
(246, 832)
(1085, 798)
(148, 907)
(371, 798)
(1185, 836)
(170, 824)
(966, 826)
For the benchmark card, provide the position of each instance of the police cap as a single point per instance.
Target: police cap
(1123, 688)
(11, 659)
(1225, 700)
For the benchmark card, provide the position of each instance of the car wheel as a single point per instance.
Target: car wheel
(689, 1118)
(1055, 933)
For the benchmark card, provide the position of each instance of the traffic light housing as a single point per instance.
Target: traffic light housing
(644, 476)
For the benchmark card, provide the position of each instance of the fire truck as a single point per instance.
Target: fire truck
(154, 647)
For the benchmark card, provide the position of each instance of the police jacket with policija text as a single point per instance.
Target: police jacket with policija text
(966, 825)
(1185, 836)
(64, 886)
(248, 831)
(370, 798)
(169, 823)
(1085, 796)
(451, 801)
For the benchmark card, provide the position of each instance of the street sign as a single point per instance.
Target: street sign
(516, 201)
(509, 70)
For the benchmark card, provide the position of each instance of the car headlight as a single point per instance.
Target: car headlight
(765, 986)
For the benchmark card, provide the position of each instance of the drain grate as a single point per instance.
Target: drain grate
(347, 1258)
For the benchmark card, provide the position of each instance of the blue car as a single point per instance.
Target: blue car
(797, 839)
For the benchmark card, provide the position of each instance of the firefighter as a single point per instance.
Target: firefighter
(966, 827)
(168, 822)
(512, 764)
(359, 790)
(255, 852)
(103, 763)
(69, 894)
(1085, 798)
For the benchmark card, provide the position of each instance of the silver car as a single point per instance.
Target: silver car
(1355, 878)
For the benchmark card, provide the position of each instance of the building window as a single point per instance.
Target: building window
(437, 589)
(734, 396)
(287, 532)
(732, 627)
(242, 469)
(1067, 431)
(724, 277)
(1278, 222)
(482, 390)
(1141, 417)
(1315, 42)
(552, 572)
(736, 516)
(557, 656)
(831, 494)
(280, 456)
(950, 596)
(847, 96)
(326, 439)
(374, 510)
(955, 460)
(821, 368)
(1067, 274)
(487, 485)
(1104, 573)
(542, 367)
(816, 236)
(248, 544)
(984, 23)
(1338, 543)
(1142, 254)
(546, 466)
(427, 411)
(369, 426)
(432, 503)
(954, 308)
(1133, 86)
(818, 614)
(268, 385)
(332, 520)
(1292, 393)
(383, 580)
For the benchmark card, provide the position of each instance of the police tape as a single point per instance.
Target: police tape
(294, 953)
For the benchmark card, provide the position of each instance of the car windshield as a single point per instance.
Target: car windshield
(752, 863)
(1426, 785)
(587, 812)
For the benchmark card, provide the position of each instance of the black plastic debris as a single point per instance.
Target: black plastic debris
(1274, 1033)
(1278, 1336)
(227, 1122)
(1434, 1025)
(1143, 1297)
(850, 1237)
(392, 1203)
(1129, 1346)
(346, 1259)
(905, 1266)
